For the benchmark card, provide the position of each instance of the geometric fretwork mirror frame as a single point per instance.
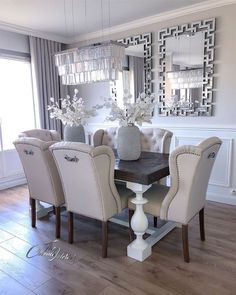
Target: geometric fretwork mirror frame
(205, 107)
(146, 40)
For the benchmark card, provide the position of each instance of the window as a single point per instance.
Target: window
(16, 99)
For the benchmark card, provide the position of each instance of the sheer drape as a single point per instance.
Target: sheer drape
(46, 81)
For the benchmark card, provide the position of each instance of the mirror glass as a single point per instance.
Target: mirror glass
(137, 70)
(132, 78)
(184, 70)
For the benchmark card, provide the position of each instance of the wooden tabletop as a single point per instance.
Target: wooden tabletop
(149, 168)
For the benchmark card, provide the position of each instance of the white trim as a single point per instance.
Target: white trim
(226, 128)
(27, 31)
(8, 182)
(157, 18)
(225, 199)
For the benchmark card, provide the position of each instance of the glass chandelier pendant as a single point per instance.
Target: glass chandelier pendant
(95, 63)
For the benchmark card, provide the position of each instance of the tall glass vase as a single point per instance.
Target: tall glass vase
(74, 133)
(129, 143)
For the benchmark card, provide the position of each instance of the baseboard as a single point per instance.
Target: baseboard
(230, 200)
(11, 181)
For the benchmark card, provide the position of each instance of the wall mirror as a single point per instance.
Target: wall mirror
(186, 56)
(137, 69)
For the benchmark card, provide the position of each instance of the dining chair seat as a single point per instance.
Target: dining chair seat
(155, 196)
(124, 194)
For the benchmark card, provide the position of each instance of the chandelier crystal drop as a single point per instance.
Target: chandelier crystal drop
(95, 63)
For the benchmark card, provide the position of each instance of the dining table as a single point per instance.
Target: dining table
(139, 176)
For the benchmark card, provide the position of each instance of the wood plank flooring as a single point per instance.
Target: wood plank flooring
(211, 271)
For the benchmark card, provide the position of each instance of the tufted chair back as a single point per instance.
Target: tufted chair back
(42, 134)
(87, 176)
(40, 170)
(190, 169)
(152, 139)
(155, 140)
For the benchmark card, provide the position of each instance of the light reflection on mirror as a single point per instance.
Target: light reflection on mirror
(184, 70)
(132, 78)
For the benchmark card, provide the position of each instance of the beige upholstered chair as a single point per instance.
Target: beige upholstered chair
(87, 176)
(42, 134)
(152, 139)
(41, 174)
(190, 169)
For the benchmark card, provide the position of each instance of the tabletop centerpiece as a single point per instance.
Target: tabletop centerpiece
(129, 137)
(73, 114)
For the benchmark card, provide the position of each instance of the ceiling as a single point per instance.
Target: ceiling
(67, 18)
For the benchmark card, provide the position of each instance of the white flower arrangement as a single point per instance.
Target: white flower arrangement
(72, 111)
(138, 112)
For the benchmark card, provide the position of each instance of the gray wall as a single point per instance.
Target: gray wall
(225, 67)
(13, 41)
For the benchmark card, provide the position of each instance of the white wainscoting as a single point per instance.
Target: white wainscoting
(222, 185)
(11, 171)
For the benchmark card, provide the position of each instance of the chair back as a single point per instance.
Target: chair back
(152, 139)
(87, 176)
(42, 134)
(190, 169)
(40, 170)
(155, 140)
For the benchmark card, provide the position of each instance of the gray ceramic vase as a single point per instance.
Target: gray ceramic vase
(129, 143)
(74, 133)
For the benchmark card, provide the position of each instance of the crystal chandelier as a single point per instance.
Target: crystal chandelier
(185, 79)
(94, 63)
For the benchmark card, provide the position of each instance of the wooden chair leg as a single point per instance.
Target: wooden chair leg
(70, 227)
(104, 238)
(58, 222)
(131, 233)
(154, 221)
(185, 242)
(54, 210)
(33, 212)
(201, 224)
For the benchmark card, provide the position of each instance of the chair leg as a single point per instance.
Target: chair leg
(33, 212)
(58, 222)
(201, 223)
(104, 238)
(54, 210)
(70, 227)
(131, 232)
(185, 242)
(155, 221)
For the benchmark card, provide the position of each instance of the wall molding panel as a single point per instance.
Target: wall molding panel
(11, 181)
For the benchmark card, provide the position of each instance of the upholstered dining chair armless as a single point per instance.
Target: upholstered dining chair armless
(87, 176)
(42, 176)
(152, 140)
(42, 134)
(190, 169)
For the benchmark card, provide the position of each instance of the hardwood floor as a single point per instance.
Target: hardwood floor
(212, 269)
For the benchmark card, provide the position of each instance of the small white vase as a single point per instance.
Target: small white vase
(74, 133)
(129, 143)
